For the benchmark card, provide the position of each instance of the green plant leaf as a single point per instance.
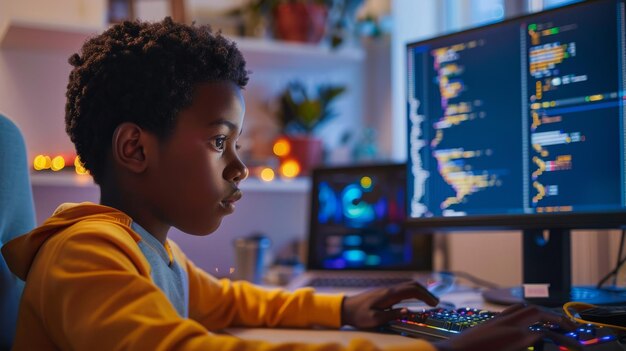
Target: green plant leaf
(303, 112)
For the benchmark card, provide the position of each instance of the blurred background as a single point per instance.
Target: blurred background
(326, 88)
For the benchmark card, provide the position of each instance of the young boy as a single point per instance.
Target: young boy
(155, 111)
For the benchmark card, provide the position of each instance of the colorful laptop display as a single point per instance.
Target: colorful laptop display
(357, 237)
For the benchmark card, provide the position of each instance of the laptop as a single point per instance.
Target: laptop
(356, 236)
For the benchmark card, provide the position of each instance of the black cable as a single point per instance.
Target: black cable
(611, 273)
(620, 263)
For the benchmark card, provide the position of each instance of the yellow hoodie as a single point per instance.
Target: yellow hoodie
(88, 287)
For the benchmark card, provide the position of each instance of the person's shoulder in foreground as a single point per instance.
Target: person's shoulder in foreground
(155, 111)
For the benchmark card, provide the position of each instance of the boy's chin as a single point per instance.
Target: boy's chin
(202, 230)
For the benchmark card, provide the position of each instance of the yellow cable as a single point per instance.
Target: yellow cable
(576, 306)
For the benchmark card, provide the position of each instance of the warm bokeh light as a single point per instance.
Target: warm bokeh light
(267, 174)
(78, 166)
(290, 169)
(58, 163)
(281, 147)
(366, 182)
(40, 162)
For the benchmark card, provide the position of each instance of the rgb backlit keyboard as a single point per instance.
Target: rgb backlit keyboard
(441, 323)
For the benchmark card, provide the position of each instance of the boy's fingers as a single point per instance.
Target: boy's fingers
(530, 315)
(385, 316)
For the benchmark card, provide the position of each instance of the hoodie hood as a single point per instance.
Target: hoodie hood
(20, 252)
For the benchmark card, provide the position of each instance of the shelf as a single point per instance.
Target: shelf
(62, 178)
(280, 54)
(259, 54)
(70, 179)
(298, 185)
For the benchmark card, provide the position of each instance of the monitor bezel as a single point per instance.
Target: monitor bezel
(563, 220)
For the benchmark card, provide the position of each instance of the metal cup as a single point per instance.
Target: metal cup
(250, 256)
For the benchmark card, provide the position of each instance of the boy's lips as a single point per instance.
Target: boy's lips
(229, 202)
(236, 196)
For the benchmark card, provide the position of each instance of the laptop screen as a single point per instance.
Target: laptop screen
(357, 221)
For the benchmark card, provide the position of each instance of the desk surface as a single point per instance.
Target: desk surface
(343, 336)
(464, 298)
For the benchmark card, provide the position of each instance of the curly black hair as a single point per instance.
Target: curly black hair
(143, 73)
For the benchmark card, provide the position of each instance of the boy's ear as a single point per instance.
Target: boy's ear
(128, 149)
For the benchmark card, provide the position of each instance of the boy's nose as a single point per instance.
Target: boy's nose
(243, 174)
(237, 171)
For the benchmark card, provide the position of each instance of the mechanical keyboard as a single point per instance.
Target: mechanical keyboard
(441, 323)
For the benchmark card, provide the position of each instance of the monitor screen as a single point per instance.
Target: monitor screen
(521, 123)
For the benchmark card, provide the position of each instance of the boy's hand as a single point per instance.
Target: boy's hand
(510, 331)
(372, 308)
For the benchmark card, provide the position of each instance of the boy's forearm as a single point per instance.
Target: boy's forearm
(244, 304)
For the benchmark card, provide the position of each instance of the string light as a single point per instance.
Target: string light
(267, 174)
(281, 147)
(58, 163)
(290, 168)
(41, 162)
(79, 167)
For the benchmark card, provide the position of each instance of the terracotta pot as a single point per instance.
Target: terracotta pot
(302, 22)
(307, 150)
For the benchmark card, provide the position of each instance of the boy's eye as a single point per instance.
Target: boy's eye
(219, 143)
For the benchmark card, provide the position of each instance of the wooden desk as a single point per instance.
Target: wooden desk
(343, 336)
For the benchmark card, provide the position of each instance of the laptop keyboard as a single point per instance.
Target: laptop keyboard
(342, 282)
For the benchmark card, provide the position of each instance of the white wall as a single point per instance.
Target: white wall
(33, 82)
(32, 93)
(60, 12)
(412, 21)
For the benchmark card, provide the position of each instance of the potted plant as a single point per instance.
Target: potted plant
(300, 114)
(291, 20)
(302, 21)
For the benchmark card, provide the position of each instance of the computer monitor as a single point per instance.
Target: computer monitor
(520, 125)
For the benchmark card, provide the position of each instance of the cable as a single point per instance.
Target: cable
(576, 306)
(611, 273)
(620, 263)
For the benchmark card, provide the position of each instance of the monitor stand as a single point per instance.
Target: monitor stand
(547, 260)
